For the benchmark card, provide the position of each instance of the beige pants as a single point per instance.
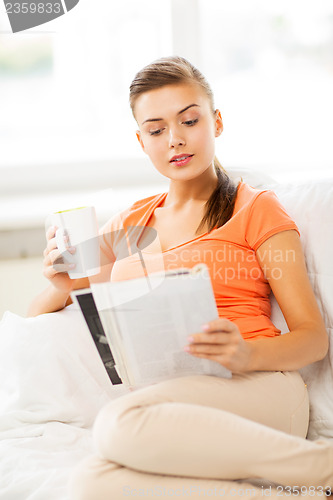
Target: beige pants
(196, 437)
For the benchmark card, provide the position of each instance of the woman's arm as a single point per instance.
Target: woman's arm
(57, 294)
(307, 340)
(51, 299)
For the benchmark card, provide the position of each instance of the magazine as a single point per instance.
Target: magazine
(140, 326)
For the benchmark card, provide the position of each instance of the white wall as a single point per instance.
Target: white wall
(22, 234)
(20, 281)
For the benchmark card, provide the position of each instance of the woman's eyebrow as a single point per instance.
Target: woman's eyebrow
(179, 113)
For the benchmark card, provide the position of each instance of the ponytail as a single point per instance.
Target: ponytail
(221, 203)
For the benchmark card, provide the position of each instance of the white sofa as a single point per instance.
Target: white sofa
(310, 204)
(53, 383)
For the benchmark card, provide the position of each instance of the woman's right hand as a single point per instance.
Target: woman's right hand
(54, 268)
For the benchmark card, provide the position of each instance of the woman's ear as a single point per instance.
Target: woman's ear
(218, 123)
(138, 136)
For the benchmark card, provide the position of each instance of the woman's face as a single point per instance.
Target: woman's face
(177, 130)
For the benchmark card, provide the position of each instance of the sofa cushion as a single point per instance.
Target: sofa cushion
(311, 206)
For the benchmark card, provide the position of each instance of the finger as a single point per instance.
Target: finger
(55, 258)
(57, 269)
(61, 267)
(60, 263)
(51, 231)
(51, 245)
(50, 272)
(51, 257)
(54, 264)
(209, 338)
(204, 349)
(219, 324)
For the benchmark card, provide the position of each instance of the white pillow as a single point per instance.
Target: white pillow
(50, 370)
(254, 178)
(311, 206)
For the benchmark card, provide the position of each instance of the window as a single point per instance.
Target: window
(64, 94)
(271, 67)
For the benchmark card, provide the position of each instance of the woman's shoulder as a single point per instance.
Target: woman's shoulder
(134, 213)
(144, 203)
(260, 214)
(248, 196)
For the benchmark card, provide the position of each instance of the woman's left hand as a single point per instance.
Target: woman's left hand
(221, 342)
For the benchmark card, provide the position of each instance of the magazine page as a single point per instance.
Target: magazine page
(103, 300)
(154, 325)
(84, 299)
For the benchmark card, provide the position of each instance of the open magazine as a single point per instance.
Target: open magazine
(140, 326)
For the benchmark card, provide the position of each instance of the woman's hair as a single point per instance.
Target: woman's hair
(176, 70)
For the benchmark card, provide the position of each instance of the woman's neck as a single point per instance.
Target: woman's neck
(183, 193)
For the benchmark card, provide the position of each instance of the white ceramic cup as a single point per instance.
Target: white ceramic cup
(81, 227)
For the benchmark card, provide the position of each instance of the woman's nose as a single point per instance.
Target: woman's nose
(175, 139)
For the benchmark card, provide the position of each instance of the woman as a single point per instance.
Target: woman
(202, 428)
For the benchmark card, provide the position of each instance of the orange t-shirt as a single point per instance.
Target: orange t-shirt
(240, 288)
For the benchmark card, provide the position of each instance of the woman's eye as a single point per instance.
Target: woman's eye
(191, 122)
(155, 132)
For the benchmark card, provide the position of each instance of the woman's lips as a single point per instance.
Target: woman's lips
(181, 160)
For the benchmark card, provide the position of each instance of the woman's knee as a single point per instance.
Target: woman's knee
(300, 413)
(124, 429)
(120, 429)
